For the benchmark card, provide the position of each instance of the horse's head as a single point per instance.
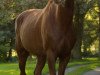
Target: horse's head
(61, 2)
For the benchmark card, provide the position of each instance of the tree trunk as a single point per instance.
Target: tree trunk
(10, 55)
(76, 52)
(78, 21)
(10, 51)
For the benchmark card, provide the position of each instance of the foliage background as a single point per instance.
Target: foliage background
(86, 21)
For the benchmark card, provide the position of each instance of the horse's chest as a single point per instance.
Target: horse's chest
(58, 41)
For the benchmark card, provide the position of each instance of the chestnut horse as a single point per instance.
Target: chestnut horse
(47, 33)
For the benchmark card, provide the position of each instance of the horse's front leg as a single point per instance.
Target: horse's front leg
(62, 64)
(40, 64)
(51, 62)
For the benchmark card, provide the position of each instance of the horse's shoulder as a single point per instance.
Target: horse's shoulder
(21, 17)
(25, 13)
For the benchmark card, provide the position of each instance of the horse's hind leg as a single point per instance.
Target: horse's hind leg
(40, 64)
(22, 56)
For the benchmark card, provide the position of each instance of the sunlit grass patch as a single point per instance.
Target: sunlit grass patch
(9, 69)
(9, 72)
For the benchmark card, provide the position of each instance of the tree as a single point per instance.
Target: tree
(81, 8)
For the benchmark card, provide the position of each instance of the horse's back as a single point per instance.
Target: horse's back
(21, 17)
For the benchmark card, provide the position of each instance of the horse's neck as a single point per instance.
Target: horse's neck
(50, 10)
(63, 15)
(50, 6)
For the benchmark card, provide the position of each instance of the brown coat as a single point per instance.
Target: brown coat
(46, 33)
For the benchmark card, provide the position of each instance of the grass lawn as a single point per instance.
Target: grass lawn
(9, 69)
(12, 68)
(89, 64)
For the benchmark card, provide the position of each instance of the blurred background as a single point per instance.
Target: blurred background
(86, 21)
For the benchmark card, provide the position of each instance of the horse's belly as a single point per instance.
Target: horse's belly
(31, 40)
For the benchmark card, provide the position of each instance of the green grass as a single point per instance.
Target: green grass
(9, 69)
(12, 68)
(90, 64)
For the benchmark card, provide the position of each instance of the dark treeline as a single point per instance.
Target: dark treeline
(86, 21)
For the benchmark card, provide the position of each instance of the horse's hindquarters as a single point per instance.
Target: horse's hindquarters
(30, 31)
